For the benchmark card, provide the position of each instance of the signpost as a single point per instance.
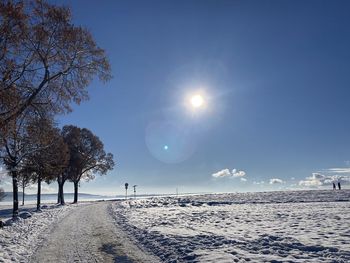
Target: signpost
(126, 190)
(135, 191)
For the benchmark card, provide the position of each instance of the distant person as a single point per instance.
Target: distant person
(334, 187)
(339, 187)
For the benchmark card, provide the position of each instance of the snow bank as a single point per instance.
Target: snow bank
(302, 226)
(19, 239)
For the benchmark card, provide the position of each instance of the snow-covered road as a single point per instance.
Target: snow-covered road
(88, 234)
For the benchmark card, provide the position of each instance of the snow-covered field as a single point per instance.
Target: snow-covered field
(300, 226)
(293, 226)
(19, 240)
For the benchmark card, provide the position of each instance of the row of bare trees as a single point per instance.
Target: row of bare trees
(46, 63)
(58, 155)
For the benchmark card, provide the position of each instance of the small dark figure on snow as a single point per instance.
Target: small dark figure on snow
(339, 187)
(334, 187)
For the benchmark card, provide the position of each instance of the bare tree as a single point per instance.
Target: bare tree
(24, 180)
(16, 146)
(87, 156)
(50, 157)
(45, 60)
(62, 169)
(61, 180)
(46, 63)
(12, 27)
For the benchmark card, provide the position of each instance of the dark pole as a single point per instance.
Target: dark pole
(134, 191)
(126, 190)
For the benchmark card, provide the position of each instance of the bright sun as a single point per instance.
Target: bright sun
(197, 101)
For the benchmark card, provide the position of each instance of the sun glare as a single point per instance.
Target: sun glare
(197, 101)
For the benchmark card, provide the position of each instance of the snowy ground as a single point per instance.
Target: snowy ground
(83, 232)
(299, 226)
(303, 226)
(19, 240)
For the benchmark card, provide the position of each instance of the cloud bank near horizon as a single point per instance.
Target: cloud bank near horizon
(320, 179)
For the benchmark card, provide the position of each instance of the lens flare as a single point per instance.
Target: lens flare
(169, 142)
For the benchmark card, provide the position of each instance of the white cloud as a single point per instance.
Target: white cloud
(222, 173)
(226, 173)
(339, 170)
(276, 181)
(310, 183)
(236, 173)
(243, 179)
(318, 179)
(315, 180)
(261, 182)
(317, 176)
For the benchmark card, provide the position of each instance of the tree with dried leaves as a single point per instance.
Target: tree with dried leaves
(61, 180)
(61, 167)
(87, 156)
(50, 158)
(45, 60)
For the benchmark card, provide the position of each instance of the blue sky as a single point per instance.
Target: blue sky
(274, 76)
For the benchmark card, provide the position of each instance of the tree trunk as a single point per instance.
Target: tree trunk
(23, 187)
(60, 193)
(39, 194)
(15, 194)
(75, 192)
